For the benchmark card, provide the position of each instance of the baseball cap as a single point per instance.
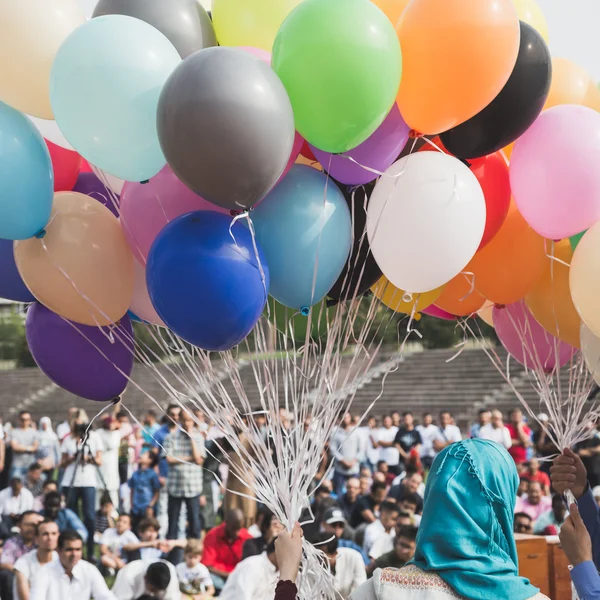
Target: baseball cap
(596, 491)
(334, 515)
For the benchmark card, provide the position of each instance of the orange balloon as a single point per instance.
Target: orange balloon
(459, 296)
(550, 300)
(393, 9)
(510, 266)
(82, 268)
(454, 65)
(572, 84)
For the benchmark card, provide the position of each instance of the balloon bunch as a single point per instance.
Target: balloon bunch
(198, 164)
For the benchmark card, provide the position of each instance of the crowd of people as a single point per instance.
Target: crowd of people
(151, 508)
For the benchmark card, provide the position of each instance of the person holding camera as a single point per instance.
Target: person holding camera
(81, 456)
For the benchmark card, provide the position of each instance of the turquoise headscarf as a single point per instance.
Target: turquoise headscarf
(466, 534)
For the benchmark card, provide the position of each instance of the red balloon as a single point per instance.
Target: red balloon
(85, 166)
(307, 152)
(66, 165)
(492, 173)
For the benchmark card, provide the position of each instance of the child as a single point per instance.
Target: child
(149, 546)
(112, 543)
(145, 487)
(194, 578)
(104, 517)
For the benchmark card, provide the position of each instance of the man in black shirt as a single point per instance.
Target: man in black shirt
(348, 501)
(366, 509)
(407, 440)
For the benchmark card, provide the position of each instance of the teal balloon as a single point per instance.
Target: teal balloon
(105, 84)
(294, 324)
(575, 239)
(26, 177)
(303, 225)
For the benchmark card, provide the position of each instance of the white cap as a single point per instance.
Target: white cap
(596, 491)
(542, 418)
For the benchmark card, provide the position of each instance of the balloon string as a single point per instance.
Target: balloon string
(468, 275)
(432, 143)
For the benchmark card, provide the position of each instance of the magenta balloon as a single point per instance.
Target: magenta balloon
(527, 341)
(378, 152)
(554, 174)
(147, 207)
(439, 313)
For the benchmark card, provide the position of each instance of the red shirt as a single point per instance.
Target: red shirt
(219, 552)
(518, 452)
(541, 477)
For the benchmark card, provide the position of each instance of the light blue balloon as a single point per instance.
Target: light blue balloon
(303, 225)
(26, 177)
(104, 88)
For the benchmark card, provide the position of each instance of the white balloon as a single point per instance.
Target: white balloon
(425, 220)
(114, 183)
(50, 131)
(87, 6)
(590, 347)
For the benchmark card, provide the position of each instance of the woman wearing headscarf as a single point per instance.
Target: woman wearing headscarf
(48, 452)
(465, 545)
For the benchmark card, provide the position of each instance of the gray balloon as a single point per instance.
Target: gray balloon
(184, 22)
(226, 126)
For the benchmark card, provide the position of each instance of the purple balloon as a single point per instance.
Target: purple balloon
(527, 341)
(378, 152)
(90, 185)
(11, 284)
(86, 361)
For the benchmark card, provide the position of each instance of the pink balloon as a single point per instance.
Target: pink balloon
(141, 306)
(147, 207)
(264, 55)
(554, 172)
(433, 311)
(527, 341)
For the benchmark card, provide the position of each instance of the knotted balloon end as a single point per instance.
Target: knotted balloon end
(41, 234)
(413, 134)
(305, 310)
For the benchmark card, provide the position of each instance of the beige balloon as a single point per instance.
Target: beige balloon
(31, 32)
(486, 313)
(82, 268)
(590, 347)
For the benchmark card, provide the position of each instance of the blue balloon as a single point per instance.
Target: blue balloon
(104, 88)
(303, 225)
(26, 177)
(11, 284)
(205, 286)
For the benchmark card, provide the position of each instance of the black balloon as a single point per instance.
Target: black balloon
(361, 270)
(515, 108)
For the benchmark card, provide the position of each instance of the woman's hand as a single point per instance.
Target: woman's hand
(288, 552)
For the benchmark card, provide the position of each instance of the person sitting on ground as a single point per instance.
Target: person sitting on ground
(523, 523)
(50, 485)
(533, 473)
(148, 547)
(270, 526)
(523, 488)
(367, 508)
(384, 469)
(33, 481)
(70, 577)
(157, 578)
(471, 551)
(14, 501)
(535, 503)
(46, 540)
(550, 522)
(347, 501)
(410, 480)
(335, 524)
(383, 527)
(402, 551)
(194, 578)
(223, 547)
(409, 504)
(105, 517)
(112, 543)
(65, 518)
(346, 565)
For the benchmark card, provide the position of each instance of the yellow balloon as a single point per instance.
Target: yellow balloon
(486, 313)
(550, 300)
(31, 32)
(302, 160)
(530, 12)
(572, 84)
(393, 9)
(250, 22)
(400, 301)
(584, 281)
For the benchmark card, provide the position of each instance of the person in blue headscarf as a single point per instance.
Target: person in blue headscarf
(465, 545)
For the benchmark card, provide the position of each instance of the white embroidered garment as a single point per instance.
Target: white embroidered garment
(409, 583)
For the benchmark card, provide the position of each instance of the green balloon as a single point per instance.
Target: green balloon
(293, 323)
(340, 62)
(575, 239)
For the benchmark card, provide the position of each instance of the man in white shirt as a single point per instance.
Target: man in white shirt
(496, 431)
(346, 565)
(367, 435)
(253, 578)
(428, 432)
(383, 527)
(153, 577)
(448, 433)
(69, 578)
(14, 501)
(386, 441)
(46, 539)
